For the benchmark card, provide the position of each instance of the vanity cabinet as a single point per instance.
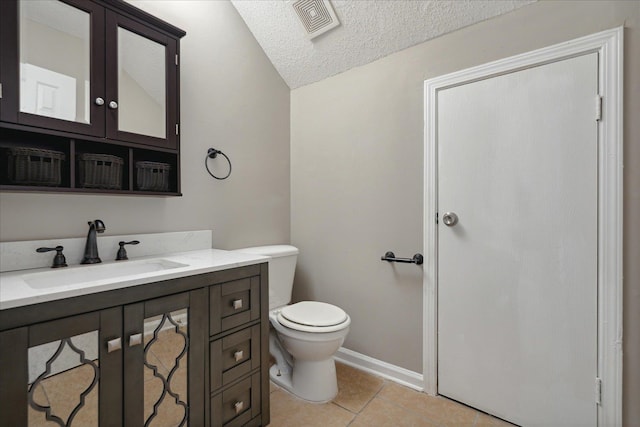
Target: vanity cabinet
(89, 76)
(144, 355)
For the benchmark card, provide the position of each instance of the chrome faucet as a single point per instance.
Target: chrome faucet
(91, 247)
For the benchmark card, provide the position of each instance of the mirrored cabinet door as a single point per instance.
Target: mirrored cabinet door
(64, 381)
(164, 364)
(141, 80)
(67, 372)
(56, 65)
(166, 355)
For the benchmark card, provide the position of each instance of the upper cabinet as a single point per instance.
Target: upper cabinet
(89, 98)
(53, 65)
(141, 83)
(96, 68)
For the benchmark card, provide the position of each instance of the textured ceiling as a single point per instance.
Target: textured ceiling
(369, 29)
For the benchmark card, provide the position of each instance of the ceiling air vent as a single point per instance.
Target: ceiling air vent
(317, 16)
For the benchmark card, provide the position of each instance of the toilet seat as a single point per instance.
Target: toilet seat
(313, 316)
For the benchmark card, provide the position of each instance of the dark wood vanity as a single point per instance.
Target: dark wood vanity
(188, 351)
(90, 98)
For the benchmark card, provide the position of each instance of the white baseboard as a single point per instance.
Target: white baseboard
(386, 370)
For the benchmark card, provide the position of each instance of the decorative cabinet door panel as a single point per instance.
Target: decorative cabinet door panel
(164, 361)
(64, 372)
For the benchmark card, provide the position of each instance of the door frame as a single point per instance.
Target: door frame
(609, 46)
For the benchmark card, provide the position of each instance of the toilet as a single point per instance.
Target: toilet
(303, 336)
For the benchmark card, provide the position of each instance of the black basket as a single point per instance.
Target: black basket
(34, 166)
(152, 176)
(100, 171)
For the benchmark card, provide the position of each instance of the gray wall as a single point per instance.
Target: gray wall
(357, 176)
(233, 100)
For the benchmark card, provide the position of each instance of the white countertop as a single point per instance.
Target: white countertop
(16, 292)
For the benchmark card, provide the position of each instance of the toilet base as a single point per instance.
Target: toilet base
(313, 381)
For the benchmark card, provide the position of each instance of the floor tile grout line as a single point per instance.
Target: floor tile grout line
(342, 407)
(394, 403)
(376, 395)
(357, 414)
(363, 406)
(372, 397)
(352, 413)
(384, 383)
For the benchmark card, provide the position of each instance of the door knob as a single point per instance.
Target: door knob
(113, 105)
(450, 219)
(99, 101)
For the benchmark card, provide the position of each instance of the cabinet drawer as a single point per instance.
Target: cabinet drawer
(237, 405)
(234, 304)
(234, 356)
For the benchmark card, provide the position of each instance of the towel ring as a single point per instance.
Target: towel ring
(212, 153)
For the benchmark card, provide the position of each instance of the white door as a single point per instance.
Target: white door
(517, 274)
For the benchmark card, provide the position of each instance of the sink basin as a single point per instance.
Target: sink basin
(94, 273)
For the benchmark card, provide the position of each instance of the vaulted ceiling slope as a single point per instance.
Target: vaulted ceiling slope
(368, 30)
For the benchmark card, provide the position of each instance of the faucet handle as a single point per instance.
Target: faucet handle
(122, 252)
(59, 260)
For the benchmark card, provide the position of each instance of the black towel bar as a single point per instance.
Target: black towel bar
(391, 257)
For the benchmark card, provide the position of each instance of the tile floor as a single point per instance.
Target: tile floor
(366, 400)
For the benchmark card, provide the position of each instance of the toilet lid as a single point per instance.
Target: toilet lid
(313, 313)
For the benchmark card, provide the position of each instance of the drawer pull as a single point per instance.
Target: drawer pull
(114, 345)
(237, 304)
(238, 355)
(238, 406)
(135, 340)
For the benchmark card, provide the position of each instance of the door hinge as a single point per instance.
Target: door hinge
(598, 391)
(598, 108)
(176, 59)
(436, 217)
(177, 129)
(0, 90)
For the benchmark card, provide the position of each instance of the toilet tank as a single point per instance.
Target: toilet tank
(282, 267)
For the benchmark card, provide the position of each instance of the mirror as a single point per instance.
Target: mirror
(141, 85)
(64, 382)
(166, 356)
(54, 60)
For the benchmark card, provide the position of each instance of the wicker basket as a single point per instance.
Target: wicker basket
(152, 176)
(34, 166)
(100, 171)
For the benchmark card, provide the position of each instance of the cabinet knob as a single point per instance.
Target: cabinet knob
(113, 105)
(99, 101)
(114, 345)
(135, 340)
(238, 406)
(238, 355)
(237, 304)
